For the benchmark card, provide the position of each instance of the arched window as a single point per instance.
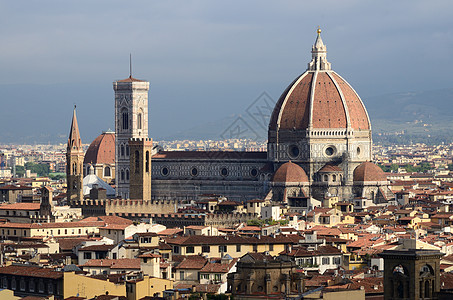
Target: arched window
(127, 175)
(326, 178)
(139, 121)
(125, 119)
(334, 178)
(147, 162)
(122, 175)
(74, 168)
(107, 172)
(137, 161)
(127, 150)
(122, 150)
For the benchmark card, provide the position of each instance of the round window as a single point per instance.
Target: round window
(224, 172)
(294, 151)
(164, 171)
(330, 151)
(194, 172)
(254, 172)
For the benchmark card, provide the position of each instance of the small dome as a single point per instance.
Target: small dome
(290, 172)
(368, 171)
(328, 168)
(101, 150)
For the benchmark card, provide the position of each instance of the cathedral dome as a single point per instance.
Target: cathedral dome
(290, 172)
(368, 171)
(319, 99)
(101, 150)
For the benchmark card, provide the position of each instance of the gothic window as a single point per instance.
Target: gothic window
(139, 121)
(147, 162)
(122, 150)
(127, 150)
(107, 172)
(137, 161)
(125, 119)
(127, 175)
(122, 175)
(74, 168)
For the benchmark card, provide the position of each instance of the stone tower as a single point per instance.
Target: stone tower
(131, 121)
(140, 168)
(74, 162)
(411, 274)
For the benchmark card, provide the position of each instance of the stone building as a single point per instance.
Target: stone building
(319, 146)
(259, 274)
(74, 162)
(411, 274)
(101, 156)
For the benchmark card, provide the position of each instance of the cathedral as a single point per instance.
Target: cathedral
(319, 146)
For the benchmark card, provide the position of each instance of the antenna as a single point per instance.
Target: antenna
(130, 65)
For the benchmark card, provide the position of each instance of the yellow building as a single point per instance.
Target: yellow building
(88, 287)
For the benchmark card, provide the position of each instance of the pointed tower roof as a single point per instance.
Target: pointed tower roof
(74, 141)
(319, 55)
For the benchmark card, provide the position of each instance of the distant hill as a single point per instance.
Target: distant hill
(41, 114)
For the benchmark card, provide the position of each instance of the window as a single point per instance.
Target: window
(147, 162)
(5, 283)
(139, 121)
(204, 276)
(107, 172)
(87, 255)
(255, 248)
(176, 249)
(326, 260)
(190, 249)
(122, 175)
(50, 288)
(217, 277)
(122, 150)
(41, 286)
(238, 248)
(205, 249)
(222, 248)
(22, 285)
(137, 161)
(13, 284)
(336, 260)
(181, 275)
(127, 174)
(271, 247)
(114, 255)
(125, 119)
(31, 286)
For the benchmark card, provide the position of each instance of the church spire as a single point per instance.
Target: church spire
(319, 55)
(74, 141)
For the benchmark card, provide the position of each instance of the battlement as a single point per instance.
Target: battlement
(140, 140)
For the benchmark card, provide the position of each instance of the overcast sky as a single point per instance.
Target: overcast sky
(208, 59)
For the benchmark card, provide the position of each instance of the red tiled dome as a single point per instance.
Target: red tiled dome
(290, 172)
(368, 171)
(101, 150)
(320, 98)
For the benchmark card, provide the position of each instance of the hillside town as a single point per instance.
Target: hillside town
(332, 248)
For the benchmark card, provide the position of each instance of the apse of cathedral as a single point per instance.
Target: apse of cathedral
(319, 147)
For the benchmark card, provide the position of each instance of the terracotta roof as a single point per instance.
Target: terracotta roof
(330, 168)
(290, 172)
(131, 79)
(292, 110)
(209, 155)
(20, 206)
(227, 240)
(15, 187)
(31, 271)
(101, 150)
(368, 171)
(192, 262)
(122, 263)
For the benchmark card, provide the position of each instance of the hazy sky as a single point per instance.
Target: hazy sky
(208, 59)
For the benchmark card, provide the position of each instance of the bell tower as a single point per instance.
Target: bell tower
(74, 162)
(131, 121)
(140, 166)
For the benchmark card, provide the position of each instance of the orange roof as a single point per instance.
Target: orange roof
(101, 150)
(21, 206)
